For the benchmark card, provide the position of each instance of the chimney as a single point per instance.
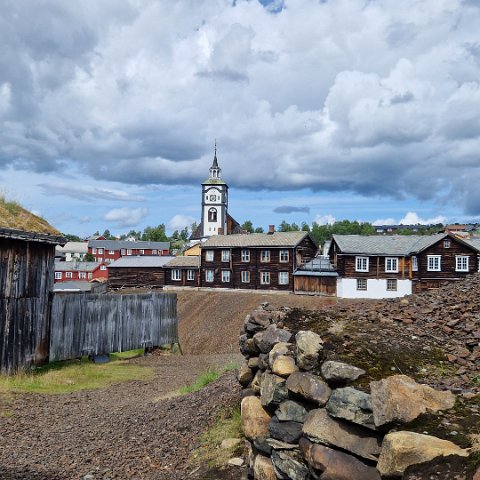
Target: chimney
(271, 229)
(220, 231)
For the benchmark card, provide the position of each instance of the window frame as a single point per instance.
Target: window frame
(391, 260)
(58, 275)
(265, 278)
(245, 276)
(209, 275)
(190, 275)
(129, 251)
(100, 251)
(103, 268)
(435, 259)
(392, 285)
(362, 281)
(284, 256)
(265, 256)
(285, 281)
(245, 255)
(209, 255)
(362, 264)
(414, 263)
(82, 275)
(111, 252)
(68, 274)
(467, 266)
(176, 275)
(94, 251)
(226, 276)
(225, 255)
(447, 243)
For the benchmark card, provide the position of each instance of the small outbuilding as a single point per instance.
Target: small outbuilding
(316, 277)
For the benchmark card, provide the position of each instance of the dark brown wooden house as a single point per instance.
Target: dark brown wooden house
(139, 271)
(260, 261)
(183, 272)
(27, 254)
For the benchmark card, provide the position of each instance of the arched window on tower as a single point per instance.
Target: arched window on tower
(212, 215)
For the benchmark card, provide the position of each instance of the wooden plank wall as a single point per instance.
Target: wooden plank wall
(136, 277)
(316, 285)
(26, 279)
(98, 324)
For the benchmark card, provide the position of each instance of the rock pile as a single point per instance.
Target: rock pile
(302, 421)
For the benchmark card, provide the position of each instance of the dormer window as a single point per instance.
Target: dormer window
(446, 243)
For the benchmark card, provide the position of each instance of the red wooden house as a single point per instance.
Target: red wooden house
(78, 271)
(111, 250)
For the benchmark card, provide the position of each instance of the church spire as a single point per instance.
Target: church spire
(215, 169)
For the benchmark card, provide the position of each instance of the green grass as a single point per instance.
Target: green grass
(207, 377)
(71, 376)
(127, 355)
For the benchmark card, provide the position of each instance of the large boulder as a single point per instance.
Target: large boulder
(255, 419)
(245, 375)
(248, 348)
(279, 349)
(290, 411)
(335, 465)
(308, 348)
(289, 465)
(284, 366)
(401, 399)
(273, 390)
(401, 449)
(256, 384)
(352, 405)
(340, 372)
(263, 468)
(272, 335)
(288, 432)
(309, 387)
(321, 428)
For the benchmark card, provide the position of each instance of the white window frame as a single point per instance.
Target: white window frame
(245, 255)
(362, 284)
(58, 275)
(90, 275)
(190, 275)
(226, 275)
(122, 252)
(391, 264)
(283, 278)
(176, 275)
(82, 275)
(68, 274)
(103, 268)
(94, 251)
(225, 255)
(362, 264)
(462, 263)
(100, 251)
(392, 285)
(414, 264)
(284, 256)
(265, 256)
(154, 252)
(245, 276)
(265, 278)
(142, 252)
(129, 251)
(447, 243)
(209, 255)
(209, 275)
(111, 252)
(434, 263)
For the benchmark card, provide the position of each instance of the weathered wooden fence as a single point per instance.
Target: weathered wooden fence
(90, 324)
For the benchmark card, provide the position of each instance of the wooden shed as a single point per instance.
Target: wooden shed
(27, 253)
(317, 277)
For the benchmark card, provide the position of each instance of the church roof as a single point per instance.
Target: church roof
(277, 239)
(233, 227)
(213, 181)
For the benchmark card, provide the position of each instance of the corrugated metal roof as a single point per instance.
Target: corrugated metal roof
(189, 261)
(146, 261)
(277, 239)
(76, 266)
(318, 267)
(119, 244)
(385, 245)
(72, 286)
(474, 242)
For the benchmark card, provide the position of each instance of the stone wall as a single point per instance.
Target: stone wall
(303, 421)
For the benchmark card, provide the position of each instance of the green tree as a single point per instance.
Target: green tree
(259, 230)
(88, 257)
(184, 234)
(247, 226)
(72, 238)
(155, 234)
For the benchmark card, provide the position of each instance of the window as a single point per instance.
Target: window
(283, 256)
(392, 284)
(245, 255)
(265, 278)
(129, 251)
(82, 275)
(94, 250)
(225, 255)
(90, 275)
(58, 275)
(111, 252)
(176, 274)
(68, 274)
(434, 263)
(100, 251)
(391, 264)
(154, 252)
(361, 283)
(245, 276)
(122, 251)
(283, 278)
(209, 255)
(446, 243)
(190, 275)
(265, 256)
(414, 264)
(209, 276)
(462, 263)
(103, 268)
(225, 276)
(361, 265)
(142, 252)
(212, 215)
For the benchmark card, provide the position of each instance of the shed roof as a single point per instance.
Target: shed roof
(141, 261)
(76, 266)
(277, 239)
(189, 261)
(119, 244)
(318, 267)
(80, 286)
(385, 245)
(20, 224)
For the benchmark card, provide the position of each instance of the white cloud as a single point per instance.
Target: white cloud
(126, 217)
(325, 219)
(411, 218)
(384, 221)
(179, 222)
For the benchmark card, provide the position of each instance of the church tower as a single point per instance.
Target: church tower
(214, 202)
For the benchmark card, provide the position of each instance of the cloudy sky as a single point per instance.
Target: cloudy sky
(322, 110)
